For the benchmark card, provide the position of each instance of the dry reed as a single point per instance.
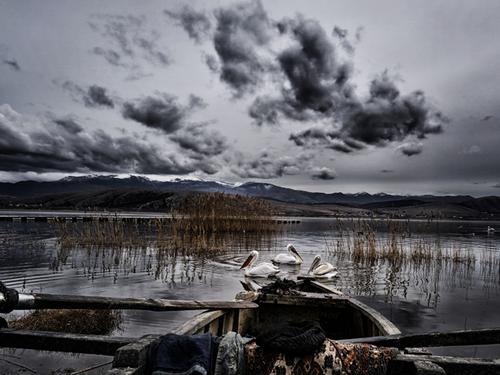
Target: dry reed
(97, 322)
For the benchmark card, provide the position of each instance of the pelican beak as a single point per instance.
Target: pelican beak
(313, 265)
(292, 249)
(247, 262)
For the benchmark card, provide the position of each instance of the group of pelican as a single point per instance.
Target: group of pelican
(318, 269)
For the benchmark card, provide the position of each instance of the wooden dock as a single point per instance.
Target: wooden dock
(99, 216)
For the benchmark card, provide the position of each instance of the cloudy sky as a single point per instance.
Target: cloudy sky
(319, 95)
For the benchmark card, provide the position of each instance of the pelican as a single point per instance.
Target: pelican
(293, 257)
(490, 229)
(260, 270)
(323, 270)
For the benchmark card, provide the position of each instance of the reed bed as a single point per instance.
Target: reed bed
(389, 252)
(201, 225)
(361, 242)
(96, 322)
(201, 214)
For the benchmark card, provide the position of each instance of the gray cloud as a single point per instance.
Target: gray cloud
(93, 96)
(411, 148)
(68, 124)
(487, 118)
(130, 38)
(200, 141)
(31, 144)
(314, 82)
(240, 29)
(342, 36)
(161, 112)
(323, 173)
(97, 96)
(266, 165)
(197, 24)
(386, 171)
(12, 63)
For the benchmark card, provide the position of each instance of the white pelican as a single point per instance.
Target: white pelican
(293, 257)
(260, 270)
(322, 270)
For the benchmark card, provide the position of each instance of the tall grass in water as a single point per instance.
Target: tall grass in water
(200, 225)
(386, 252)
(203, 213)
(365, 242)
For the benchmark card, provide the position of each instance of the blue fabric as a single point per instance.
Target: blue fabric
(189, 355)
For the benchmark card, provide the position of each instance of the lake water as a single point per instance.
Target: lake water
(459, 291)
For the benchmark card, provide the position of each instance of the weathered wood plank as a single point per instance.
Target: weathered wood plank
(62, 342)
(199, 321)
(451, 338)
(135, 353)
(404, 363)
(383, 324)
(52, 301)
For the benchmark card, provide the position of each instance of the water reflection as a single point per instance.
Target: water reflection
(422, 274)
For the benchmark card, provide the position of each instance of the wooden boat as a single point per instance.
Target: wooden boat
(344, 319)
(341, 317)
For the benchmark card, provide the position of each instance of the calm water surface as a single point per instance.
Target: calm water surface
(460, 293)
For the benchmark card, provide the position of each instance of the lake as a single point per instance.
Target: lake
(448, 279)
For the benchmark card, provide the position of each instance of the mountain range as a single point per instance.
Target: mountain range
(136, 192)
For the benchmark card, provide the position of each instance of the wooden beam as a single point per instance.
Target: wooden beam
(62, 342)
(52, 301)
(452, 338)
(405, 364)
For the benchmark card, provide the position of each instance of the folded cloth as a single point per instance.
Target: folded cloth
(230, 355)
(183, 355)
(294, 338)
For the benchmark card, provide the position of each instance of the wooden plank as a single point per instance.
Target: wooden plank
(62, 342)
(52, 301)
(428, 368)
(383, 324)
(195, 324)
(303, 299)
(403, 363)
(451, 338)
(135, 354)
(325, 288)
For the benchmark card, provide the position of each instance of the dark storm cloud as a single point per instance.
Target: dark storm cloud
(411, 148)
(240, 30)
(317, 79)
(93, 96)
(318, 88)
(323, 173)
(313, 81)
(13, 64)
(200, 141)
(161, 112)
(130, 38)
(29, 144)
(197, 24)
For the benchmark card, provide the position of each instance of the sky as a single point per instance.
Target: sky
(317, 95)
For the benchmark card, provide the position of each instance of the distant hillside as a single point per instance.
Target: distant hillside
(138, 193)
